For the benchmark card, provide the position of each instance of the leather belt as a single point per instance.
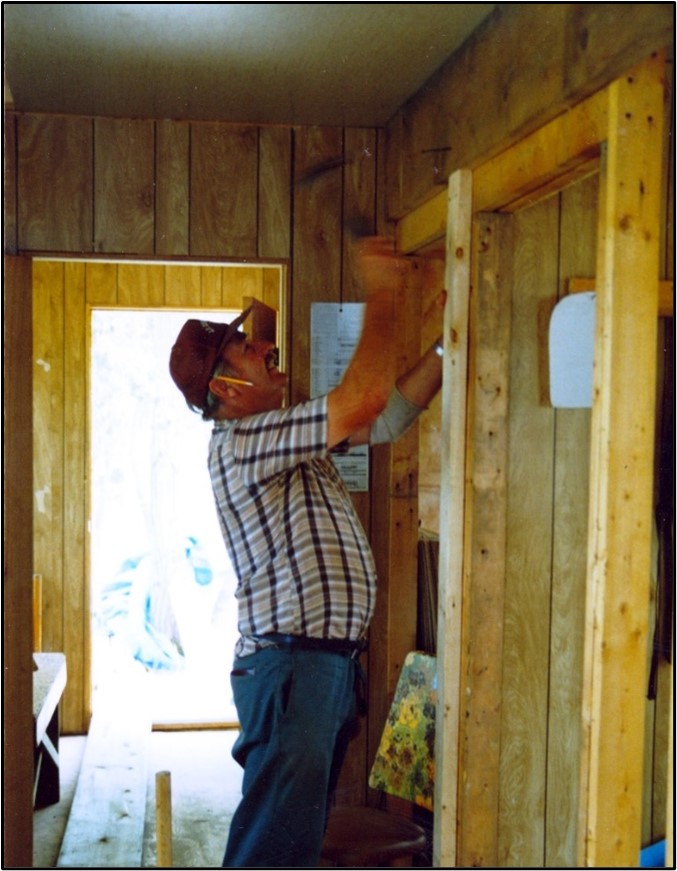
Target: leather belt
(303, 642)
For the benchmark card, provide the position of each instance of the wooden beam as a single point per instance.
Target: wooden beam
(621, 473)
(452, 510)
(666, 292)
(559, 153)
(485, 545)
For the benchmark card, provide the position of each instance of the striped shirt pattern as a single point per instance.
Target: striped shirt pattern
(302, 559)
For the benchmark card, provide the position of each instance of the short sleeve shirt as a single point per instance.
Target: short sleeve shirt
(302, 559)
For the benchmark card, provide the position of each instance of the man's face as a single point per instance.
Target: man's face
(254, 361)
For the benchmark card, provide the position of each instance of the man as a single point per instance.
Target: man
(306, 578)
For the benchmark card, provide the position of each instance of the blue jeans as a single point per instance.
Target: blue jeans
(297, 714)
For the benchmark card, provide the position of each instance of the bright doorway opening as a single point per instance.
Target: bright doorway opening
(162, 588)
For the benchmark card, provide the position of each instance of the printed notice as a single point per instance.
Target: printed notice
(334, 331)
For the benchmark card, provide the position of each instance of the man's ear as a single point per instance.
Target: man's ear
(222, 390)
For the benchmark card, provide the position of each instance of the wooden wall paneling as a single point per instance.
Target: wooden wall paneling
(240, 283)
(430, 424)
(274, 192)
(359, 201)
(580, 49)
(55, 179)
(572, 449)
(10, 204)
(485, 556)
(141, 287)
(17, 564)
(182, 285)
(124, 186)
(529, 543)
(48, 454)
(172, 187)
(76, 644)
(316, 240)
(101, 283)
(271, 286)
(620, 528)
(223, 190)
(403, 498)
(212, 287)
(452, 515)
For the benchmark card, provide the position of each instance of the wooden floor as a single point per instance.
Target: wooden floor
(205, 783)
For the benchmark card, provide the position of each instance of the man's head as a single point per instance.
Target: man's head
(217, 368)
(195, 356)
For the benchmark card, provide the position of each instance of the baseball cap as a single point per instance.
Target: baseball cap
(195, 354)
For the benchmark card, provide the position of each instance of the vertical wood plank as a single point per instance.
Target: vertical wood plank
(141, 287)
(17, 565)
(183, 286)
(10, 204)
(211, 287)
(430, 424)
(172, 191)
(48, 444)
(621, 472)
(274, 193)
(572, 450)
(524, 727)
(101, 283)
(124, 184)
(486, 513)
(452, 507)
(55, 183)
(359, 200)
(76, 635)
(223, 190)
(316, 242)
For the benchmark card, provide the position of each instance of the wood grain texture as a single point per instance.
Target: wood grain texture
(274, 192)
(17, 564)
(529, 546)
(570, 50)
(452, 515)
(623, 418)
(223, 185)
(55, 177)
(172, 187)
(124, 186)
(485, 552)
(570, 507)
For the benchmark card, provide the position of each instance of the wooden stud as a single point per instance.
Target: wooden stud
(452, 507)
(485, 546)
(621, 473)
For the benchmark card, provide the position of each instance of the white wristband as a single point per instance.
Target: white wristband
(394, 420)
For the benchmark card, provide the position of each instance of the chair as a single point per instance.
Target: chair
(364, 837)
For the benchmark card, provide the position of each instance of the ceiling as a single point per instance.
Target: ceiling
(346, 64)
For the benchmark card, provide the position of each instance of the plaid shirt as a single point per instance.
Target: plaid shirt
(302, 558)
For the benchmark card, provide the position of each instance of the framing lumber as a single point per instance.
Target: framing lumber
(621, 473)
(452, 511)
(618, 134)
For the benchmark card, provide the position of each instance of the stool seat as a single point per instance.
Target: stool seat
(362, 837)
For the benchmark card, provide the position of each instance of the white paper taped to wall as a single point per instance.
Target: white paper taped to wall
(571, 351)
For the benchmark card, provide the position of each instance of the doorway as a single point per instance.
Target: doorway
(65, 293)
(162, 587)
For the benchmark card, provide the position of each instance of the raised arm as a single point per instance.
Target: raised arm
(363, 392)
